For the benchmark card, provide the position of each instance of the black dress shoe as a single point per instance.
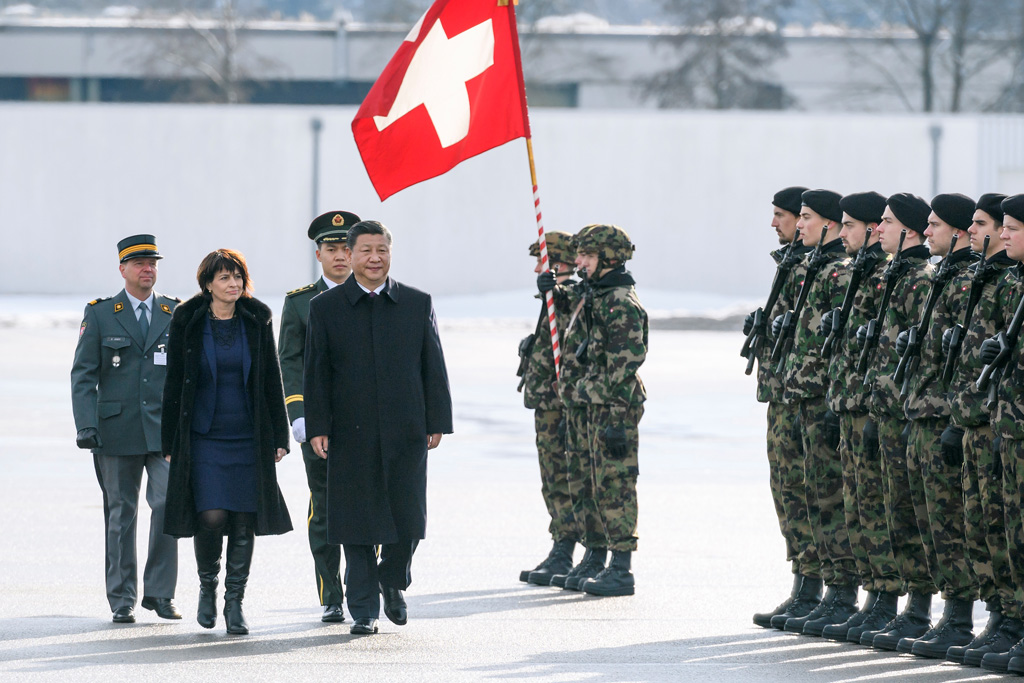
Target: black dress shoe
(124, 615)
(363, 626)
(164, 607)
(394, 605)
(333, 614)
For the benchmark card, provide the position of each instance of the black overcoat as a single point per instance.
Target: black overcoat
(375, 383)
(266, 396)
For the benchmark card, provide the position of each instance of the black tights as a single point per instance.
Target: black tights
(218, 520)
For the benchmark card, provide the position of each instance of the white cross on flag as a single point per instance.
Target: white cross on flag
(453, 89)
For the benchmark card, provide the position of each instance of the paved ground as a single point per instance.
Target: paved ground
(710, 552)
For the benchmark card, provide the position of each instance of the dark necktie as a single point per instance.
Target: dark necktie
(144, 320)
(373, 295)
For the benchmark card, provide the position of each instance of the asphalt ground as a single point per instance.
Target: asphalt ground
(710, 551)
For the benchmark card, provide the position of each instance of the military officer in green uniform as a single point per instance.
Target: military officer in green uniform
(117, 383)
(329, 232)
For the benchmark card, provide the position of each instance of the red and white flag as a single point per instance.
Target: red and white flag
(453, 89)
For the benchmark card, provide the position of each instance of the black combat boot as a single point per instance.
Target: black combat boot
(615, 580)
(558, 561)
(838, 631)
(591, 565)
(208, 544)
(239, 559)
(958, 654)
(1000, 661)
(807, 598)
(956, 627)
(796, 624)
(881, 614)
(764, 619)
(559, 580)
(913, 622)
(1009, 633)
(842, 607)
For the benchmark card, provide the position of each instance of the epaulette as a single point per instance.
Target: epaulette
(96, 301)
(172, 298)
(300, 290)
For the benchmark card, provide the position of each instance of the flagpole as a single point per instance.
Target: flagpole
(545, 264)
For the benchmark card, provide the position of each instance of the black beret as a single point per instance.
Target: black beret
(866, 207)
(991, 204)
(1014, 206)
(331, 226)
(789, 199)
(956, 209)
(823, 202)
(137, 246)
(910, 210)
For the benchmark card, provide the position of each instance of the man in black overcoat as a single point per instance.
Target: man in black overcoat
(377, 399)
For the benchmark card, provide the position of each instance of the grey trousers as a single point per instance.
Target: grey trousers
(120, 479)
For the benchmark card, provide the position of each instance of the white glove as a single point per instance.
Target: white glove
(299, 429)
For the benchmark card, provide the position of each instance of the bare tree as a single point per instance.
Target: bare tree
(725, 48)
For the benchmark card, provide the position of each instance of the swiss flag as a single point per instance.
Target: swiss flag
(453, 89)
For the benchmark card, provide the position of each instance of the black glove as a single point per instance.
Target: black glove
(902, 342)
(989, 350)
(615, 442)
(827, 320)
(748, 324)
(88, 438)
(952, 445)
(870, 438)
(947, 340)
(831, 429)
(546, 281)
(862, 336)
(777, 326)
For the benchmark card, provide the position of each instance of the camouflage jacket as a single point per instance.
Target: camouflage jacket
(805, 373)
(905, 307)
(616, 330)
(846, 392)
(1008, 421)
(539, 392)
(966, 403)
(769, 386)
(927, 394)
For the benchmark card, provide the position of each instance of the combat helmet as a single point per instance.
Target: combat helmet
(610, 242)
(560, 247)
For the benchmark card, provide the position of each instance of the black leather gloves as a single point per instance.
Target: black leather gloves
(831, 429)
(88, 438)
(748, 323)
(902, 342)
(870, 439)
(862, 336)
(827, 320)
(545, 282)
(952, 446)
(989, 350)
(947, 340)
(615, 441)
(777, 326)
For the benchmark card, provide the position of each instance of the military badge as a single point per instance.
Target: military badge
(118, 307)
(165, 308)
(338, 219)
(116, 361)
(81, 330)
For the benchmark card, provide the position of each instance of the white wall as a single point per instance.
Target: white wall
(693, 190)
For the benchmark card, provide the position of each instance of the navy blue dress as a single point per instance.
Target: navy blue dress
(224, 457)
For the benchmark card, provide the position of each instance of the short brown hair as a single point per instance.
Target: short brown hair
(223, 259)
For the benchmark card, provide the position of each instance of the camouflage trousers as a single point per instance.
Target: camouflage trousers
(983, 520)
(943, 522)
(786, 479)
(908, 546)
(1011, 456)
(603, 487)
(864, 502)
(823, 478)
(554, 466)
(326, 556)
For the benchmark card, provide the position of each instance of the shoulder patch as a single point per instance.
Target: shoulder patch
(175, 299)
(96, 301)
(118, 307)
(300, 290)
(165, 308)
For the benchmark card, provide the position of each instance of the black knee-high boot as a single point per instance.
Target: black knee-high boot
(239, 559)
(208, 544)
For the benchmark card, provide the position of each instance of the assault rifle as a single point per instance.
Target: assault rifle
(956, 340)
(784, 343)
(841, 315)
(992, 373)
(892, 275)
(911, 358)
(752, 344)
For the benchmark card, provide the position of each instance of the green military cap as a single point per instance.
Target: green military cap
(137, 246)
(332, 226)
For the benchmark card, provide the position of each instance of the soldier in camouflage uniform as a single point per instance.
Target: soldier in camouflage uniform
(785, 448)
(863, 481)
(884, 430)
(605, 344)
(934, 454)
(1008, 419)
(982, 477)
(328, 231)
(537, 369)
(805, 383)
